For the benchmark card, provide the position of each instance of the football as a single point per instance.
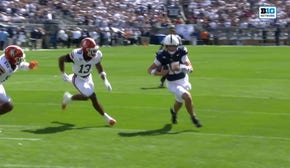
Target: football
(162, 67)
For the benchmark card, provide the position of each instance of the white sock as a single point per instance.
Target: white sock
(107, 117)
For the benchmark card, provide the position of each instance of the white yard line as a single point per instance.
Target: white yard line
(17, 138)
(18, 126)
(20, 139)
(32, 166)
(244, 136)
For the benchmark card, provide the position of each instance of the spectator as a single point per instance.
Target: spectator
(76, 36)
(205, 37)
(277, 35)
(107, 37)
(3, 38)
(264, 36)
(34, 35)
(62, 37)
(21, 37)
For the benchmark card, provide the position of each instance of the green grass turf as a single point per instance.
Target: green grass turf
(241, 95)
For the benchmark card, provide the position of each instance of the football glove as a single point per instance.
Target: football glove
(185, 69)
(66, 77)
(33, 65)
(108, 85)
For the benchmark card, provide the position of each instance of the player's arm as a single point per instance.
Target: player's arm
(186, 66)
(28, 65)
(153, 70)
(61, 61)
(101, 71)
(103, 76)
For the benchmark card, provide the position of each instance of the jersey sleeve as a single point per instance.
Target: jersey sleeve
(156, 60)
(185, 59)
(74, 54)
(184, 53)
(23, 66)
(99, 56)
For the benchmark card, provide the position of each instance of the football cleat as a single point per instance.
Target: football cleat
(112, 122)
(196, 122)
(173, 116)
(66, 99)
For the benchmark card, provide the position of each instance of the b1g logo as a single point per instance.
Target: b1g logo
(267, 12)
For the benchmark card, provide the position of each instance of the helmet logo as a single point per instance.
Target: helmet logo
(85, 43)
(12, 52)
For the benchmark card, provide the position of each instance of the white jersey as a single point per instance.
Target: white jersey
(5, 69)
(81, 67)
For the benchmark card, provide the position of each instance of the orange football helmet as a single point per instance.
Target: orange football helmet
(89, 46)
(14, 54)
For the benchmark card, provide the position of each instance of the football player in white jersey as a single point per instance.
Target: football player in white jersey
(84, 59)
(11, 60)
(176, 66)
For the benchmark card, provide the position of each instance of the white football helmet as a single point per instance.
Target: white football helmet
(171, 42)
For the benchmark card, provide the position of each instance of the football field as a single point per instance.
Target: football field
(241, 96)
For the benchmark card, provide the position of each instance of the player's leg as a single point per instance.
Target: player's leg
(162, 80)
(99, 108)
(176, 107)
(182, 95)
(5, 102)
(190, 108)
(86, 88)
(83, 86)
(67, 97)
(173, 88)
(5, 107)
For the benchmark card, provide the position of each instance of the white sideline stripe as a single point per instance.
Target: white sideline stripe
(20, 139)
(33, 166)
(248, 112)
(19, 126)
(244, 136)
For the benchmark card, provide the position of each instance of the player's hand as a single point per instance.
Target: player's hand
(164, 71)
(185, 69)
(33, 65)
(65, 77)
(108, 85)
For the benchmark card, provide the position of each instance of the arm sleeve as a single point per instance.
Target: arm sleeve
(156, 62)
(68, 58)
(24, 66)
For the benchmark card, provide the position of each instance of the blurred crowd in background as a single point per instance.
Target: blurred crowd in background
(54, 23)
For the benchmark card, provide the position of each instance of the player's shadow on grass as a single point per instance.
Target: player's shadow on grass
(53, 129)
(164, 130)
(61, 127)
(148, 88)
